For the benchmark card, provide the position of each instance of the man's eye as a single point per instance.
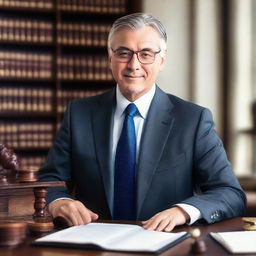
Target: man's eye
(123, 53)
(146, 54)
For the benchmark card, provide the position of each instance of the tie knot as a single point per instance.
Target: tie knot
(131, 110)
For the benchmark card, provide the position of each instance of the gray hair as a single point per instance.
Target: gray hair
(137, 21)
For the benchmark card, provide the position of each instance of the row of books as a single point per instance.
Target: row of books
(21, 64)
(21, 30)
(65, 96)
(83, 34)
(39, 66)
(16, 99)
(27, 135)
(31, 162)
(40, 4)
(96, 6)
(29, 99)
(25, 30)
(84, 67)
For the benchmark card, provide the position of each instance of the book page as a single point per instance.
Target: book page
(144, 240)
(94, 233)
(117, 237)
(237, 241)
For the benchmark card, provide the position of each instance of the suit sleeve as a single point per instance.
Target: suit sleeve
(218, 194)
(58, 163)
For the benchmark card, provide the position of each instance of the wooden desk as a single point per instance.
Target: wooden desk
(213, 249)
(13, 197)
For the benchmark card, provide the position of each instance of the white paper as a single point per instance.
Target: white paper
(120, 237)
(237, 241)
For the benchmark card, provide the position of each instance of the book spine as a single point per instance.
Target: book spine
(19, 100)
(27, 135)
(31, 162)
(14, 64)
(33, 4)
(88, 67)
(83, 34)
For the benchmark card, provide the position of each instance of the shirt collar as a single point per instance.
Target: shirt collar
(142, 103)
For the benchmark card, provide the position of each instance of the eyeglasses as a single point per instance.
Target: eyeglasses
(144, 56)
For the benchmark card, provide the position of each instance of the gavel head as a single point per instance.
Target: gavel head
(8, 159)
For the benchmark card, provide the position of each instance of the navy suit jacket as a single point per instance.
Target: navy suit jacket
(181, 159)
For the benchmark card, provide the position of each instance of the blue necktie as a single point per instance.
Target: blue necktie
(125, 164)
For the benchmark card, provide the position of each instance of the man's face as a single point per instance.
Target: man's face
(136, 79)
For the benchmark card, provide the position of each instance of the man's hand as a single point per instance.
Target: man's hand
(73, 211)
(166, 220)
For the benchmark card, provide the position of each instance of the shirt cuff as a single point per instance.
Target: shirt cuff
(192, 211)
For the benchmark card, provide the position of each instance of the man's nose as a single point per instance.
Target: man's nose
(134, 62)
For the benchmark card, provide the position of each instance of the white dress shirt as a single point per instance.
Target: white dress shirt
(143, 104)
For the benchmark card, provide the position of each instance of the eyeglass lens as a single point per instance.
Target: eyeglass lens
(144, 56)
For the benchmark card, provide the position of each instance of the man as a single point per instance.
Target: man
(177, 171)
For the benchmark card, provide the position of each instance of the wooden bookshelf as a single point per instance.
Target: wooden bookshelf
(51, 52)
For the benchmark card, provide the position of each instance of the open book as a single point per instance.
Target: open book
(237, 241)
(112, 237)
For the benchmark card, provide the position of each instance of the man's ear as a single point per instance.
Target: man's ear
(109, 62)
(109, 58)
(162, 61)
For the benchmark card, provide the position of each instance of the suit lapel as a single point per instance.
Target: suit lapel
(156, 130)
(102, 127)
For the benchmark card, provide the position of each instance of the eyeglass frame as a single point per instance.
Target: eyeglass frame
(136, 52)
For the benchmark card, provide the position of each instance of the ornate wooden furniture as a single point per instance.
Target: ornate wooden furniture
(20, 192)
